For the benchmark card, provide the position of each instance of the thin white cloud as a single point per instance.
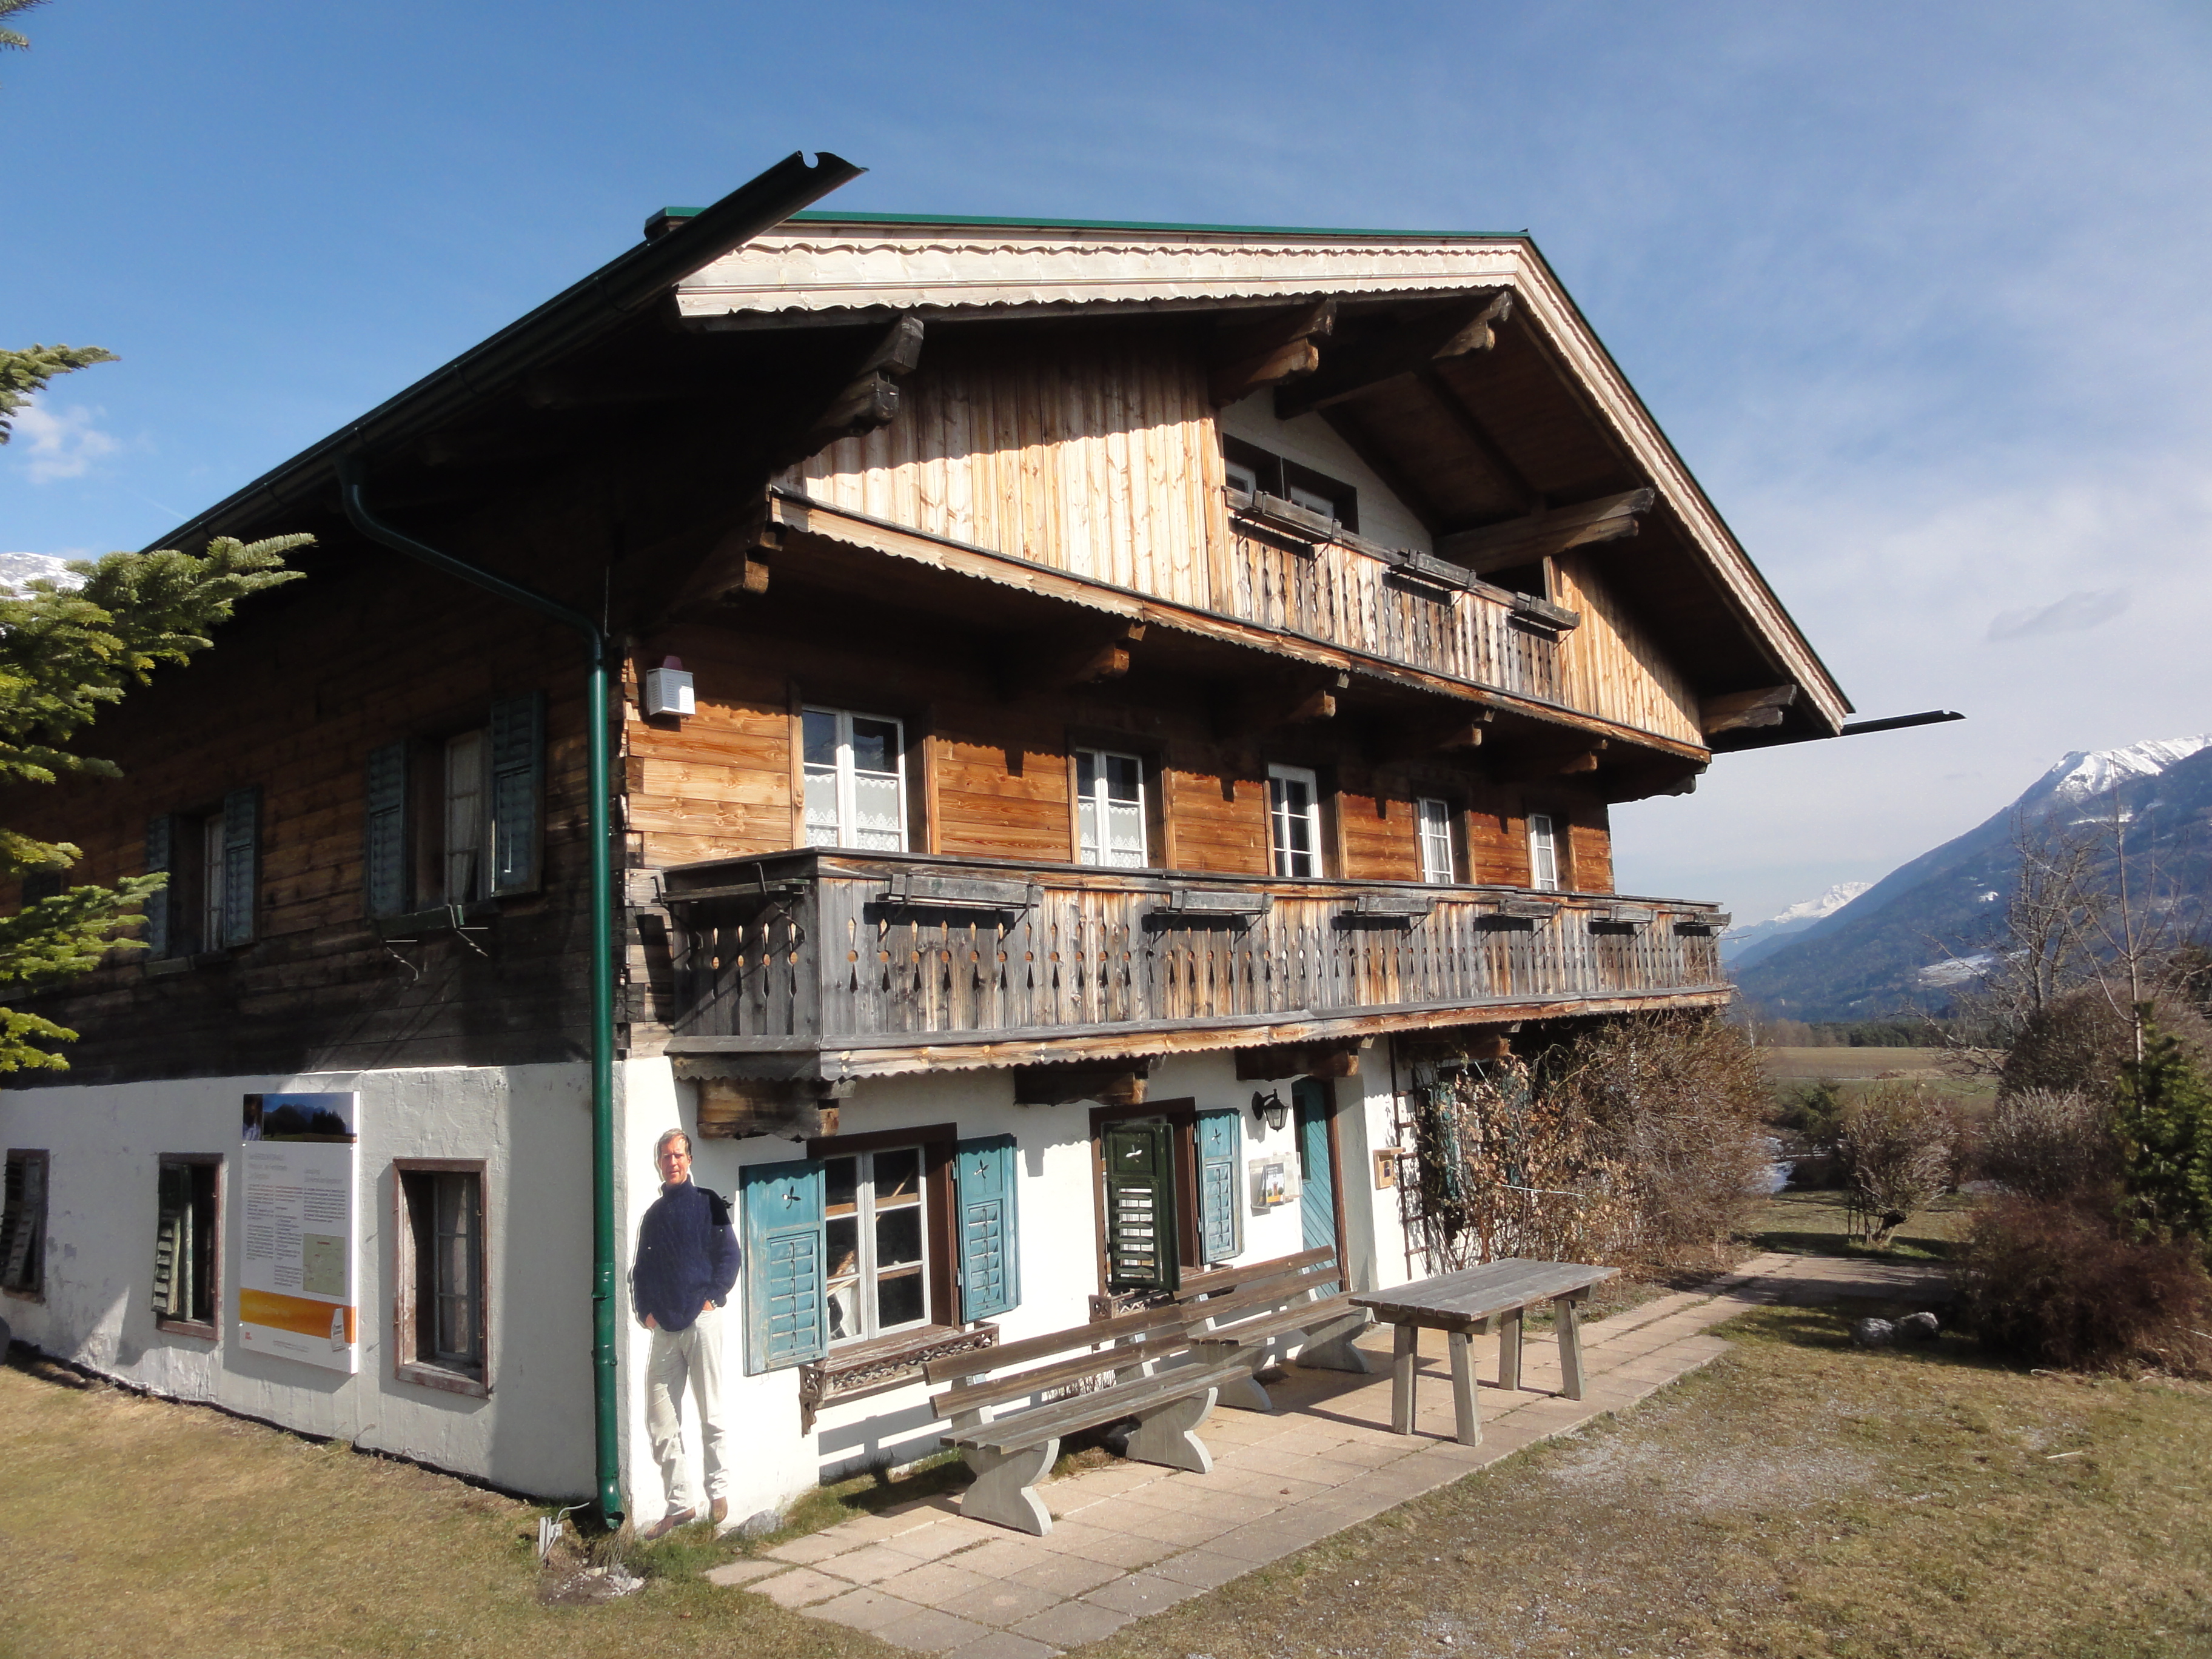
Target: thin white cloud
(62, 443)
(2076, 613)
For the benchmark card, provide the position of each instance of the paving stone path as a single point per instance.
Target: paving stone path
(1131, 1538)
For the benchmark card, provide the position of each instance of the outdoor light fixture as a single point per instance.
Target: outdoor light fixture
(1270, 1106)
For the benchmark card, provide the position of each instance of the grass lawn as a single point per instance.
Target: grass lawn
(1814, 1224)
(1798, 1498)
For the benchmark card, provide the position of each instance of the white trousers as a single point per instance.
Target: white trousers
(693, 1356)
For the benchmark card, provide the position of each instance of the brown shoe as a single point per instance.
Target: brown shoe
(718, 1511)
(668, 1523)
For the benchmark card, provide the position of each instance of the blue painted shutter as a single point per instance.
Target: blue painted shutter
(518, 787)
(786, 1319)
(990, 1237)
(1317, 1183)
(384, 886)
(241, 863)
(162, 934)
(1220, 1156)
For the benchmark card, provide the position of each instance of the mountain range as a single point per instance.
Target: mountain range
(1911, 939)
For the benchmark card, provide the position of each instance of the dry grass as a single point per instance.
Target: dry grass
(1854, 1065)
(1800, 1498)
(1818, 1223)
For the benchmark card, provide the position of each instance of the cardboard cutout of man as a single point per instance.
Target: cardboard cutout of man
(687, 1262)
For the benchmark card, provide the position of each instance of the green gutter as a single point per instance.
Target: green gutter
(984, 220)
(605, 1399)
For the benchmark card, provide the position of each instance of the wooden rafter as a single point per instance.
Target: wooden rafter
(1540, 535)
(1247, 357)
(1477, 436)
(1348, 370)
(1737, 711)
(868, 400)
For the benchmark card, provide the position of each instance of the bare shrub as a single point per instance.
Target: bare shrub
(2080, 1041)
(2055, 1281)
(2053, 1145)
(1895, 1146)
(1677, 1106)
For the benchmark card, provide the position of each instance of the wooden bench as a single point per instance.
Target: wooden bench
(1462, 1304)
(1152, 1372)
(1269, 1306)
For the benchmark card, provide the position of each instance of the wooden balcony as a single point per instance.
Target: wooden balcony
(816, 964)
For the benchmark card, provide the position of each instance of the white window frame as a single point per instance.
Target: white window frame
(1543, 853)
(1282, 855)
(846, 775)
(1432, 829)
(867, 1276)
(1097, 848)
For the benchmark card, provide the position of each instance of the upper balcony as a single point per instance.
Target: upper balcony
(822, 965)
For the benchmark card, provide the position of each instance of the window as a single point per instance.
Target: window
(877, 1249)
(440, 1314)
(23, 1225)
(897, 1237)
(1294, 818)
(1253, 471)
(1109, 808)
(1434, 827)
(212, 856)
(458, 818)
(855, 780)
(188, 1244)
(1543, 853)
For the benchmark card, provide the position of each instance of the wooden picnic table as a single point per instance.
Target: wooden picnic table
(1461, 1304)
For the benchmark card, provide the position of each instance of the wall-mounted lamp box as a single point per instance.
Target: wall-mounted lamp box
(668, 691)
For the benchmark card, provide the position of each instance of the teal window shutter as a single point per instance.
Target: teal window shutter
(989, 1231)
(1220, 1156)
(163, 935)
(241, 863)
(787, 1318)
(1143, 1252)
(518, 791)
(384, 864)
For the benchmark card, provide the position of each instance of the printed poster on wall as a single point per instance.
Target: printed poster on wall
(295, 1288)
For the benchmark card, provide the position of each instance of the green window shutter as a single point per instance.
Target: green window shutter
(241, 863)
(173, 1243)
(989, 1235)
(517, 790)
(1220, 1154)
(385, 863)
(162, 934)
(1141, 1250)
(787, 1315)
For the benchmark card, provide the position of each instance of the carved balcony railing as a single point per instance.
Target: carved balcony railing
(980, 960)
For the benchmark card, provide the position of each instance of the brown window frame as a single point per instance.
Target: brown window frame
(36, 1290)
(1182, 1116)
(209, 1329)
(939, 1144)
(407, 1364)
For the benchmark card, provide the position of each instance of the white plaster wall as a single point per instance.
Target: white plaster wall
(529, 1124)
(1312, 441)
(1058, 1239)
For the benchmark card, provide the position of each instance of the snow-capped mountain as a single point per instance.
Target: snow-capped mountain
(1740, 946)
(1899, 944)
(17, 568)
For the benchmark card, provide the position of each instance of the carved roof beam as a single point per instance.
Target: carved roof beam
(1348, 370)
(1541, 534)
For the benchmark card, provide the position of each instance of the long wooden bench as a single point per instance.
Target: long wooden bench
(1148, 1369)
(1270, 1307)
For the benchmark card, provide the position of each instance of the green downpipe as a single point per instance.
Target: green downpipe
(606, 1415)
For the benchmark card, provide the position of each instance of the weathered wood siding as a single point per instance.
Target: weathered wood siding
(1612, 665)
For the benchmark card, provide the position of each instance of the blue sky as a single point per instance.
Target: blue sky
(1919, 292)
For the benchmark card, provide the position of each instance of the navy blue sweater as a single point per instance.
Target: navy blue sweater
(687, 1256)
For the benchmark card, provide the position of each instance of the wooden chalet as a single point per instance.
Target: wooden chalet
(1072, 675)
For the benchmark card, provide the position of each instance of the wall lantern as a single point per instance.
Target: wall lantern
(668, 688)
(1270, 1107)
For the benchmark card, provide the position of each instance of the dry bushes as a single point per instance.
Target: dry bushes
(2054, 1281)
(1676, 1107)
(2081, 1041)
(1895, 1144)
(2051, 1144)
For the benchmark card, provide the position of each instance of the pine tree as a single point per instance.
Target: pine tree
(9, 41)
(2164, 1124)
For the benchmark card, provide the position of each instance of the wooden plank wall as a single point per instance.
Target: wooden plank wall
(1098, 457)
(1612, 665)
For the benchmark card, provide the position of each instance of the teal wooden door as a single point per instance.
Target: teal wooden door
(1142, 1236)
(1316, 1175)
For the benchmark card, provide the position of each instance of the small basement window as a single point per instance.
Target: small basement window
(442, 1327)
(23, 1225)
(188, 1244)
